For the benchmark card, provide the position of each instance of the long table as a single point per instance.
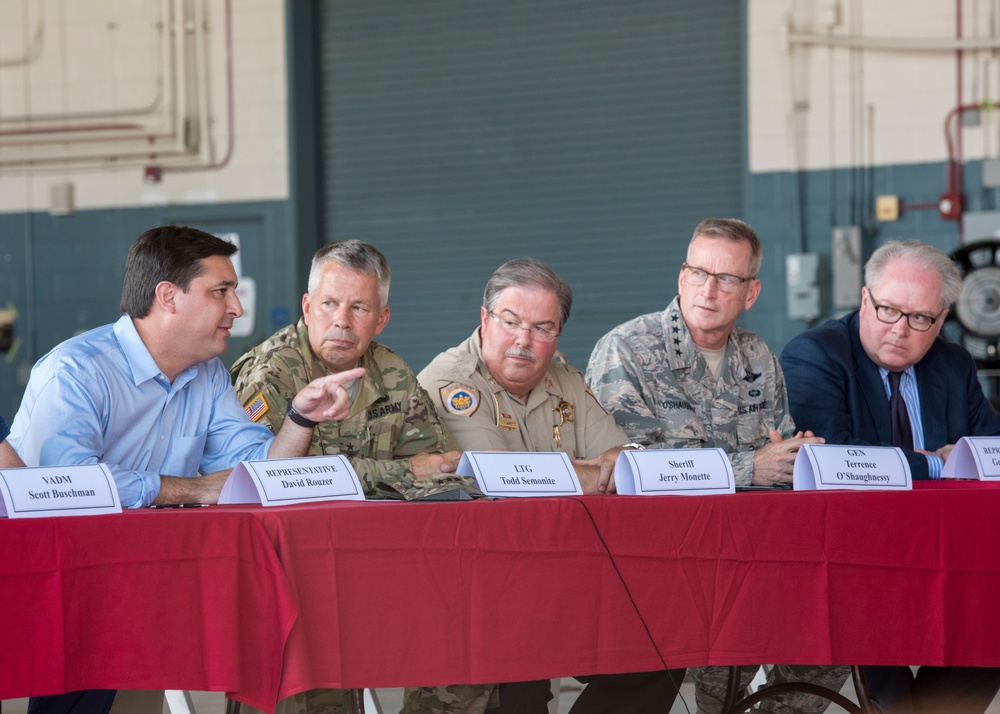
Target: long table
(179, 599)
(266, 602)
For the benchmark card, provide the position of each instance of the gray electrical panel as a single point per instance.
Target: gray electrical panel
(847, 267)
(802, 278)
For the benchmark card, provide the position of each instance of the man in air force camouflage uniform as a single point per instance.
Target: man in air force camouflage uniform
(688, 377)
(393, 437)
(506, 388)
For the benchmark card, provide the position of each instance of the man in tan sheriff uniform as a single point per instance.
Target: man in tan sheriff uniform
(507, 388)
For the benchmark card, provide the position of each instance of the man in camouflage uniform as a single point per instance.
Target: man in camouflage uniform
(393, 437)
(506, 388)
(688, 377)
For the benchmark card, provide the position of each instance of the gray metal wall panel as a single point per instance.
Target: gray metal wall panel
(459, 134)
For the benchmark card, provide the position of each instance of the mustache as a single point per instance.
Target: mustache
(521, 352)
(338, 334)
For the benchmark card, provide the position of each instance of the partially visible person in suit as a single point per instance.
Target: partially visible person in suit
(8, 457)
(882, 376)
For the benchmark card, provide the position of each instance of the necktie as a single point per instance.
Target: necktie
(902, 433)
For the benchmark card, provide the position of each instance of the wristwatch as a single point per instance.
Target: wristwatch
(299, 419)
(633, 445)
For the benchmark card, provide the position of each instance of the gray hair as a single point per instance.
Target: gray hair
(735, 231)
(357, 255)
(919, 255)
(528, 273)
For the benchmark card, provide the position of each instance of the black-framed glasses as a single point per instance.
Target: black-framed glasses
(542, 333)
(726, 282)
(890, 316)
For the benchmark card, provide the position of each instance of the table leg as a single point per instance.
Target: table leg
(232, 707)
(357, 701)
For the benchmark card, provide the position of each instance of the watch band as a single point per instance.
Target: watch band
(633, 445)
(299, 419)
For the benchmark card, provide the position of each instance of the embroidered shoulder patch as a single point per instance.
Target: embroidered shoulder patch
(460, 399)
(257, 407)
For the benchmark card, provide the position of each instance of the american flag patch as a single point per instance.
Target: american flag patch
(257, 408)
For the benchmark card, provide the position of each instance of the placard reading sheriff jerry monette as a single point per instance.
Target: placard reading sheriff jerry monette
(828, 466)
(974, 457)
(280, 482)
(521, 473)
(82, 490)
(658, 472)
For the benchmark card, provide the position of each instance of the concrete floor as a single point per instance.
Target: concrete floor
(390, 701)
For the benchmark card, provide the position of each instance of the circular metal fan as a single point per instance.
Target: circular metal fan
(974, 321)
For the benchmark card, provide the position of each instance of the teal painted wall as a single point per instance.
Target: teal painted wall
(63, 274)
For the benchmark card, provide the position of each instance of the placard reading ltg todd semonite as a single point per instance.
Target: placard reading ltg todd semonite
(280, 482)
(822, 466)
(657, 472)
(521, 473)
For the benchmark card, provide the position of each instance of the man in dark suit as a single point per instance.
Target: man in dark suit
(882, 376)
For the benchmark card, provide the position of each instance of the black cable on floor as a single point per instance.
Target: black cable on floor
(628, 592)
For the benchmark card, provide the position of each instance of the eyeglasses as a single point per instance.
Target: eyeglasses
(890, 315)
(727, 283)
(538, 332)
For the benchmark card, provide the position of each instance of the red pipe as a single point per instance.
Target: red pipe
(918, 207)
(69, 128)
(959, 177)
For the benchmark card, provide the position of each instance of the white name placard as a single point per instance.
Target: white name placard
(280, 482)
(81, 490)
(974, 457)
(828, 466)
(521, 473)
(657, 472)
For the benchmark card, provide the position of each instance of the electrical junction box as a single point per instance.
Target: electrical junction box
(991, 173)
(887, 208)
(802, 279)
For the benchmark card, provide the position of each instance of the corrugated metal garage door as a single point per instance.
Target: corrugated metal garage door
(458, 134)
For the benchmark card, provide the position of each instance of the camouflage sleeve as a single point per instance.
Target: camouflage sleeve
(620, 386)
(742, 462)
(422, 433)
(255, 379)
(600, 430)
(782, 411)
(424, 430)
(780, 417)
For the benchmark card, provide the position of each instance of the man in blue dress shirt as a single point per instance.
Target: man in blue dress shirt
(149, 397)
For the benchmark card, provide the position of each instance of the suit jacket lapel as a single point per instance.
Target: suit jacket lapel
(870, 383)
(932, 383)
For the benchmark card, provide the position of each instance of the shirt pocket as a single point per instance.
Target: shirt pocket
(183, 456)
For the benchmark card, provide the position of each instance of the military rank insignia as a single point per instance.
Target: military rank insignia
(257, 407)
(460, 399)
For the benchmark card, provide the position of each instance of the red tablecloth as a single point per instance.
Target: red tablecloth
(192, 599)
(394, 594)
(404, 594)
